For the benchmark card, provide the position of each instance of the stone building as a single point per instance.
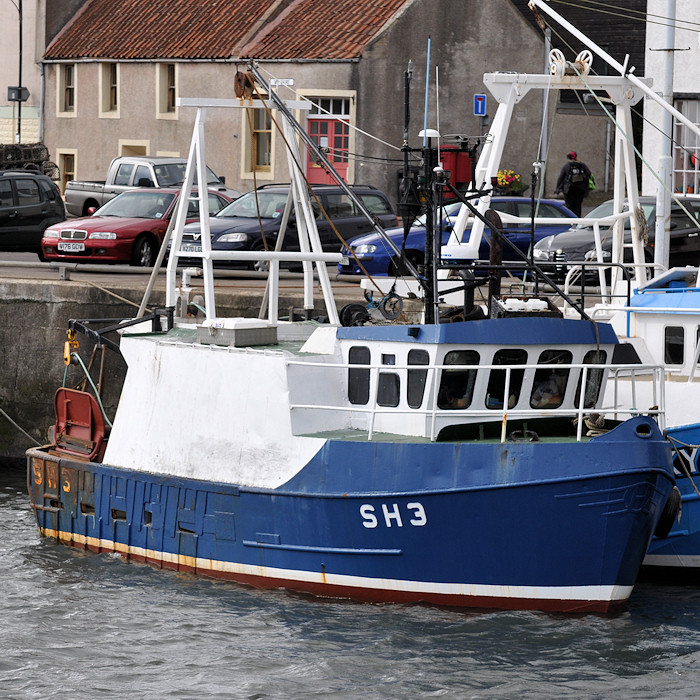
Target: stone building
(113, 70)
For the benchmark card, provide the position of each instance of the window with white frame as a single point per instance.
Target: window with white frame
(66, 88)
(109, 89)
(166, 81)
(258, 143)
(686, 147)
(261, 140)
(66, 166)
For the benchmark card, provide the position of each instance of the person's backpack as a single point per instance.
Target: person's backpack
(577, 175)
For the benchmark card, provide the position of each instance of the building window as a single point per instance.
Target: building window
(113, 86)
(109, 89)
(167, 90)
(66, 164)
(261, 139)
(171, 90)
(686, 148)
(66, 88)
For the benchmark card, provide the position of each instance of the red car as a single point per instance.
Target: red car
(128, 228)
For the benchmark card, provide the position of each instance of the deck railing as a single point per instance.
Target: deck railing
(630, 374)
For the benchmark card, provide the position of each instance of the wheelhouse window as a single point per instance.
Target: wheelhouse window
(457, 385)
(388, 389)
(416, 377)
(358, 377)
(549, 384)
(594, 378)
(674, 343)
(497, 379)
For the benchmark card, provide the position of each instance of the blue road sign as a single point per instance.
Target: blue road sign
(479, 105)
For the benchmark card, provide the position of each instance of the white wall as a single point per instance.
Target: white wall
(686, 75)
(9, 69)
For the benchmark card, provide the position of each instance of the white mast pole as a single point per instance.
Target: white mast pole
(665, 186)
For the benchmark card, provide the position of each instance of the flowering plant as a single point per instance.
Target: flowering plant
(509, 181)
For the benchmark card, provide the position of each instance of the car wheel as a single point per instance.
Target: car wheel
(86, 206)
(143, 253)
(398, 268)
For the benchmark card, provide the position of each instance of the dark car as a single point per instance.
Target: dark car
(240, 225)
(577, 244)
(29, 203)
(378, 258)
(128, 229)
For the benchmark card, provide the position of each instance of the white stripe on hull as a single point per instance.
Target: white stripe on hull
(681, 561)
(582, 593)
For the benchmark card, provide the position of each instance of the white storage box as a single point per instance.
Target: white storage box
(237, 332)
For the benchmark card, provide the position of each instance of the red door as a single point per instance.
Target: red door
(332, 136)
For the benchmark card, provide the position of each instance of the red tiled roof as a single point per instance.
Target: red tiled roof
(217, 29)
(129, 29)
(332, 29)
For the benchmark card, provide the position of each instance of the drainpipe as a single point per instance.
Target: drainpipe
(42, 74)
(19, 81)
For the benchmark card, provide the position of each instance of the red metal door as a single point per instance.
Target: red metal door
(332, 136)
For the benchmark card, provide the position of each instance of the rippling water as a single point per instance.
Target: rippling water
(80, 625)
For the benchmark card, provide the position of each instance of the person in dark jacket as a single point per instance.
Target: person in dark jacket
(573, 182)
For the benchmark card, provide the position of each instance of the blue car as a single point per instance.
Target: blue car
(378, 259)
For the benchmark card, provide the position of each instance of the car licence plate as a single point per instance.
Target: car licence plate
(190, 248)
(345, 260)
(71, 247)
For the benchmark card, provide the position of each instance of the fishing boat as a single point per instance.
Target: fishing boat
(656, 315)
(660, 323)
(388, 459)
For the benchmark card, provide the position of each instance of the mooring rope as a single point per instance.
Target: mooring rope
(20, 428)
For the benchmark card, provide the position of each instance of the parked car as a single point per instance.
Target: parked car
(577, 243)
(379, 259)
(240, 225)
(29, 202)
(128, 172)
(128, 228)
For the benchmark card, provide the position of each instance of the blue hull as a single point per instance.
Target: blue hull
(680, 550)
(555, 526)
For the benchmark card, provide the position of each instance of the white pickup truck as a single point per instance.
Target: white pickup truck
(128, 172)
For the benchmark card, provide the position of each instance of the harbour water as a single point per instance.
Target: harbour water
(81, 625)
